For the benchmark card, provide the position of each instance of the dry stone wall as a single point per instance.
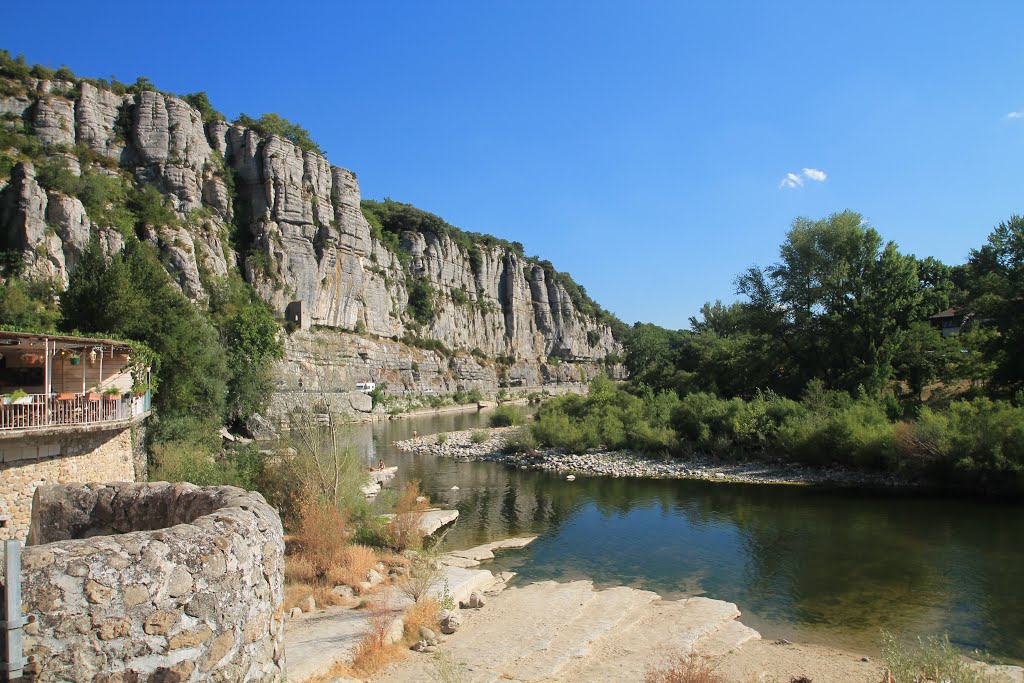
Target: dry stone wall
(28, 461)
(138, 583)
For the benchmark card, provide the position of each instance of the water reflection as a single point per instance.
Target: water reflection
(828, 566)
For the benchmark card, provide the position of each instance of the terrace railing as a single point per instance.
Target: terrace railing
(42, 411)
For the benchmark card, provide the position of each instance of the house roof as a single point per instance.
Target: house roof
(948, 313)
(28, 338)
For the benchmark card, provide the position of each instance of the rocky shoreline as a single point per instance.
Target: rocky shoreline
(460, 445)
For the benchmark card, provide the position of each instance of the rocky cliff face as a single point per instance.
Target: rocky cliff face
(284, 218)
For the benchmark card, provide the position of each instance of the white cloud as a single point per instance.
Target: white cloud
(794, 180)
(791, 180)
(1015, 115)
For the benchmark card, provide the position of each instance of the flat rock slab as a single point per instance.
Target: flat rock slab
(568, 632)
(471, 557)
(316, 641)
(431, 520)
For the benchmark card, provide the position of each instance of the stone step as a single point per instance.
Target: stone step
(609, 612)
(496, 639)
(729, 638)
(664, 628)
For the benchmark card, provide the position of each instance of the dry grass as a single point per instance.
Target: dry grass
(374, 652)
(354, 563)
(295, 594)
(422, 613)
(680, 668)
(404, 527)
(321, 539)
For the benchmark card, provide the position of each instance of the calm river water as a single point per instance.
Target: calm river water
(802, 563)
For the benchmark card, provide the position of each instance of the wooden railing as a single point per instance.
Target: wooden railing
(41, 411)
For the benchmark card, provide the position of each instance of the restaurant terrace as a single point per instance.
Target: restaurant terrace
(55, 382)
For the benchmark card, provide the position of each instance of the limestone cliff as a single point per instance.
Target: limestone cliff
(281, 216)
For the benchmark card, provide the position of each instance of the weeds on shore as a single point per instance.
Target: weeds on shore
(448, 670)
(680, 668)
(404, 527)
(479, 436)
(928, 660)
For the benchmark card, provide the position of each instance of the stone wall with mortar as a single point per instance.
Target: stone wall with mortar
(29, 461)
(148, 583)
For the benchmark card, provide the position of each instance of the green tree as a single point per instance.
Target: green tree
(250, 336)
(838, 299)
(201, 102)
(996, 293)
(132, 296)
(273, 124)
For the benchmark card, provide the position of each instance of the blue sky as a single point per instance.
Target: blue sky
(643, 146)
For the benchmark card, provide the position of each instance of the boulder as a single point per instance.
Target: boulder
(450, 623)
(476, 601)
(260, 428)
(344, 592)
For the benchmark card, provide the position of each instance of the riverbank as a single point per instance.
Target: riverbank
(461, 445)
(565, 632)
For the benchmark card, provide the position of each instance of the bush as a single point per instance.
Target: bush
(442, 438)
(520, 441)
(404, 527)
(321, 537)
(680, 668)
(927, 659)
(505, 416)
(479, 436)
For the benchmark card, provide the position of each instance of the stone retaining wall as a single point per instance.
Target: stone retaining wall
(158, 583)
(30, 460)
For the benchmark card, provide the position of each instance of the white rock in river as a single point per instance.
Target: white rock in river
(455, 488)
(571, 477)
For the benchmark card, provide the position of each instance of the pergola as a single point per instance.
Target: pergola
(50, 379)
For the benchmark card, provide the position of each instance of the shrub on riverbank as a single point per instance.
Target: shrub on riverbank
(977, 443)
(505, 416)
(927, 659)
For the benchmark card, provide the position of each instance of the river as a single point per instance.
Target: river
(803, 563)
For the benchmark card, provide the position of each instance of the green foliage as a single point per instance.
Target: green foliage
(505, 416)
(28, 305)
(107, 199)
(14, 67)
(608, 417)
(996, 294)
(927, 659)
(273, 124)
(479, 436)
(151, 207)
(421, 302)
(427, 343)
(378, 393)
(520, 441)
(131, 295)
(249, 333)
(201, 102)
(187, 461)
